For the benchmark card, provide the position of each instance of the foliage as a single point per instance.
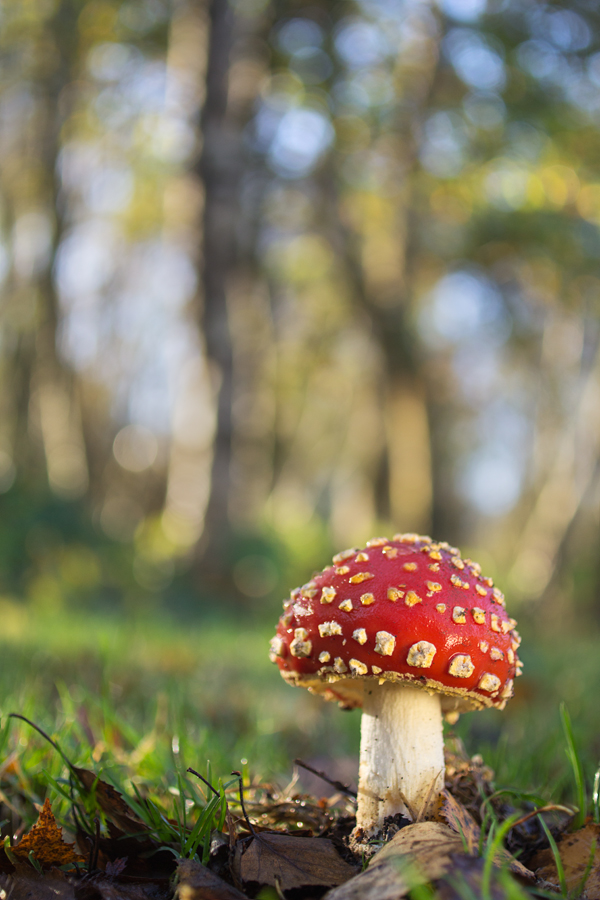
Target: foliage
(396, 286)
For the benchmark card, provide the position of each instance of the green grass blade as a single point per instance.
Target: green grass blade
(188, 849)
(512, 889)
(34, 862)
(206, 848)
(4, 732)
(201, 828)
(8, 850)
(461, 886)
(560, 869)
(596, 797)
(57, 787)
(223, 812)
(588, 869)
(491, 833)
(575, 761)
(483, 830)
(181, 786)
(521, 795)
(497, 835)
(422, 892)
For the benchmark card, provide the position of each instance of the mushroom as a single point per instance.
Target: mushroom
(408, 630)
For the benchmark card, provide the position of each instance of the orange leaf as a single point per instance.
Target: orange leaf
(46, 841)
(578, 850)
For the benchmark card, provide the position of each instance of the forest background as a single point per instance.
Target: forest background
(278, 277)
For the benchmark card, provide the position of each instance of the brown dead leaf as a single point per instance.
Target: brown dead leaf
(461, 821)
(464, 880)
(575, 852)
(286, 861)
(101, 888)
(196, 882)
(46, 841)
(145, 858)
(417, 854)
(429, 844)
(55, 886)
(111, 802)
(114, 868)
(58, 886)
(504, 858)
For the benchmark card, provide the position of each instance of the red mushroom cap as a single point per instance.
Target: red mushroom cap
(406, 610)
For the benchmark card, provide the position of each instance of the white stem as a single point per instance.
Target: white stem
(401, 753)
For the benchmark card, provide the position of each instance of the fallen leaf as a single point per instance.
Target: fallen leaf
(464, 880)
(101, 888)
(504, 858)
(286, 861)
(46, 842)
(54, 887)
(196, 882)
(575, 852)
(417, 854)
(34, 887)
(461, 821)
(111, 802)
(145, 858)
(115, 868)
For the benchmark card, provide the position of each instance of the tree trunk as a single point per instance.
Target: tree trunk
(46, 400)
(220, 169)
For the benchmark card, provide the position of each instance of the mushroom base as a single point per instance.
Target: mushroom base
(401, 755)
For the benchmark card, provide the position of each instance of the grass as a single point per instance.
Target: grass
(131, 688)
(139, 699)
(142, 699)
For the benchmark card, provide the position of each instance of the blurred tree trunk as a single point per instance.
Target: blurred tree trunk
(403, 485)
(220, 168)
(46, 401)
(58, 399)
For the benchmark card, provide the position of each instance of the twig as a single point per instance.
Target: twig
(56, 746)
(343, 788)
(245, 814)
(93, 862)
(427, 801)
(551, 807)
(232, 832)
(411, 810)
(207, 783)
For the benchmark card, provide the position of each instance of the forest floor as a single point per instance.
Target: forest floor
(97, 801)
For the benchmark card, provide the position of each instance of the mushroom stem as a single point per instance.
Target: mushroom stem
(401, 753)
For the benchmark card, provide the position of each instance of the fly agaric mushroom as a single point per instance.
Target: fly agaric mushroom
(408, 630)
